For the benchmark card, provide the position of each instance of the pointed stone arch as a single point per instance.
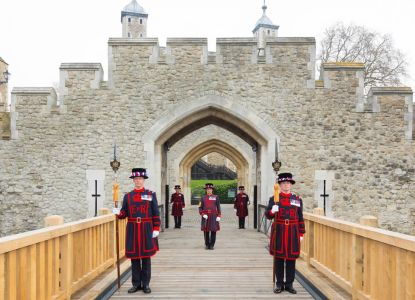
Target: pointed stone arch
(230, 114)
(184, 163)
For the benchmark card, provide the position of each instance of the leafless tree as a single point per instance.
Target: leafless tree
(384, 64)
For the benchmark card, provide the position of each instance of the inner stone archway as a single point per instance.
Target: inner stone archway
(187, 160)
(199, 112)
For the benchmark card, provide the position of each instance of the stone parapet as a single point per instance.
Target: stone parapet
(336, 75)
(78, 77)
(43, 95)
(292, 40)
(394, 101)
(129, 42)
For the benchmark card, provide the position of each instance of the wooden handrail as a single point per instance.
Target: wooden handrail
(367, 262)
(57, 261)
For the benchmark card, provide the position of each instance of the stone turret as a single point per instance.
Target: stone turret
(264, 28)
(134, 21)
(3, 84)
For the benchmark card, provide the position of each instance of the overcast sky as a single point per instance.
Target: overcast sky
(36, 36)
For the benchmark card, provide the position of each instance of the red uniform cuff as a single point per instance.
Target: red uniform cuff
(156, 228)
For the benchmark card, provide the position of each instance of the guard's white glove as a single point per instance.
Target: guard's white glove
(116, 211)
(274, 209)
(234, 209)
(155, 233)
(205, 217)
(217, 219)
(301, 238)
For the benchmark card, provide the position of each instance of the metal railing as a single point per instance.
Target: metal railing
(264, 225)
(162, 217)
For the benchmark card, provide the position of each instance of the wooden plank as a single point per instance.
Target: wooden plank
(11, 276)
(400, 280)
(49, 269)
(357, 266)
(41, 271)
(239, 267)
(410, 276)
(22, 280)
(2, 277)
(87, 278)
(332, 276)
(66, 274)
(32, 272)
(55, 267)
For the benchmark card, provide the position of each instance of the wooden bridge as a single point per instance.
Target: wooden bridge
(340, 260)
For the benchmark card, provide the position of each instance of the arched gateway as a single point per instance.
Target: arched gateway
(220, 111)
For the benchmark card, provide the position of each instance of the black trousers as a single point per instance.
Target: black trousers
(141, 271)
(210, 238)
(242, 222)
(177, 221)
(289, 266)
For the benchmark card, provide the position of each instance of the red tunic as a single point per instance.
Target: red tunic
(241, 205)
(287, 227)
(178, 204)
(210, 205)
(141, 209)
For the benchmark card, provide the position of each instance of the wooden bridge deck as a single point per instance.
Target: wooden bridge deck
(239, 267)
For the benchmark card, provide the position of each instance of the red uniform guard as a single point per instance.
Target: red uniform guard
(287, 232)
(240, 205)
(177, 200)
(209, 209)
(141, 208)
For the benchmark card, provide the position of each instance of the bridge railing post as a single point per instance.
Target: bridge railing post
(357, 257)
(369, 221)
(66, 264)
(103, 211)
(53, 220)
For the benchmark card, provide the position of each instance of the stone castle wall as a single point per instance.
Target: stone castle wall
(328, 126)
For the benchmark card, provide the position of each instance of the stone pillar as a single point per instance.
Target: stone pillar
(318, 211)
(103, 211)
(369, 221)
(53, 220)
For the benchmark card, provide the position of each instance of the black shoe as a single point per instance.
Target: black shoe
(207, 247)
(278, 288)
(290, 289)
(146, 289)
(211, 248)
(134, 289)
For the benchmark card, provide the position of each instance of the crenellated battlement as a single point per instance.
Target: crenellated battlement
(79, 77)
(335, 75)
(194, 50)
(394, 101)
